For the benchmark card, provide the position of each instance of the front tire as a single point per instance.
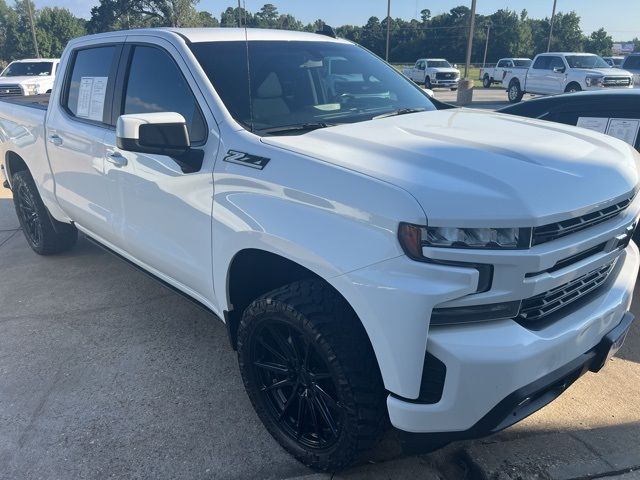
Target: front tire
(427, 83)
(514, 92)
(311, 374)
(573, 88)
(45, 235)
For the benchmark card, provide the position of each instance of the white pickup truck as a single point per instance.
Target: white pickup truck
(490, 76)
(433, 73)
(373, 254)
(554, 73)
(31, 76)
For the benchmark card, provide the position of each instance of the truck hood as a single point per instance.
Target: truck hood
(23, 80)
(607, 72)
(471, 168)
(444, 70)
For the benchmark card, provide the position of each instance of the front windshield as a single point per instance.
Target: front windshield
(522, 63)
(303, 83)
(439, 64)
(28, 69)
(586, 61)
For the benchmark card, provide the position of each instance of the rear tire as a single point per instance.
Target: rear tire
(514, 92)
(311, 374)
(44, 234)
(486, 81)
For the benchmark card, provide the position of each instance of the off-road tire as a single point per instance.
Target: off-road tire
(44, 234)
(314, 312)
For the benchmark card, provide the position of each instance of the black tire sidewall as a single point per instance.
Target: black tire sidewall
(518, 96)
(23, 180)
(264, 311)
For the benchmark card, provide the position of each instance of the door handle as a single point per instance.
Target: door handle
(55, 139)
(117, 159)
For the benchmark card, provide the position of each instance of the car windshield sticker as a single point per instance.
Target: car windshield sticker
(91, 97)
(597, 124)
(625, 129)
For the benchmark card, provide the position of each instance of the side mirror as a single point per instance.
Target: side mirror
(558, 69)
(163, 133)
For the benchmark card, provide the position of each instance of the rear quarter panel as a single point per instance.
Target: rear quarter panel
(22, 133)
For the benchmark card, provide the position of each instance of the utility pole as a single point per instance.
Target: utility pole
(472, 24)
(33, 28)
(486, 45)
(553, 16)
(239, 14)
(388, 28)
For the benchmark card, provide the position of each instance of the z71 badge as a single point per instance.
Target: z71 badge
(246, 159)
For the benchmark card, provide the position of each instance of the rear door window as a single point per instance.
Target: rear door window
(86, 92)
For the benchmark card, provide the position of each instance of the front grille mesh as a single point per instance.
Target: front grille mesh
(552, 231)
(617, 81)
(540, 306)
(445, 76)
(10, 90)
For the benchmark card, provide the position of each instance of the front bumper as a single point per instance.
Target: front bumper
(488, 362)
(445, 83)
(528, 399)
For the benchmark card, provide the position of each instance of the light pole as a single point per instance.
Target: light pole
(553, 16)
(239, 14)
(486, 45)
(33, 28)
(472, 24)
(388, 28)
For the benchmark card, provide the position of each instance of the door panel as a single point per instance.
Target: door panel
(161, 214)
(75, 138)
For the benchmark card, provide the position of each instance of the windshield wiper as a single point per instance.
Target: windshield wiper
(297, 128)
(400, 111)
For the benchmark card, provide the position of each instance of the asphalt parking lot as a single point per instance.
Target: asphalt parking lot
(106, 374)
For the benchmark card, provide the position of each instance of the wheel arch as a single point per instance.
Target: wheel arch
(14, 163)
(254, 272)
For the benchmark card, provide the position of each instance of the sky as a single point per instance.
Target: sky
(622, 21)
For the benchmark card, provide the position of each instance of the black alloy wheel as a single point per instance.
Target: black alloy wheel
(297, 385)
(28, 214)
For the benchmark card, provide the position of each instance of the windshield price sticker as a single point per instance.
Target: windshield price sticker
(597, 124)
(91, 97)
(626, 129)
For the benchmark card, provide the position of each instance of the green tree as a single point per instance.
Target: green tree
(599, 42)
(268, 16)
(55, 27)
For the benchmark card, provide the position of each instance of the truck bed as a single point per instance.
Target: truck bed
(40, 102)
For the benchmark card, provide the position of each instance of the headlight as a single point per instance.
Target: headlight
(594, 81)
(414, 237)
(31, 89)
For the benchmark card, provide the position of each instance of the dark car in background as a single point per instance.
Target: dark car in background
(614, 112)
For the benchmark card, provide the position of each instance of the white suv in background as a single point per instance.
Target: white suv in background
(31, 76)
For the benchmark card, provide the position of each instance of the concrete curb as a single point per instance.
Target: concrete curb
(559, 456)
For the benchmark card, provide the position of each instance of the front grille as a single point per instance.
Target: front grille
(10, 90)
(616, 81)
(543, 305)
(445, 76)
(552, 231)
